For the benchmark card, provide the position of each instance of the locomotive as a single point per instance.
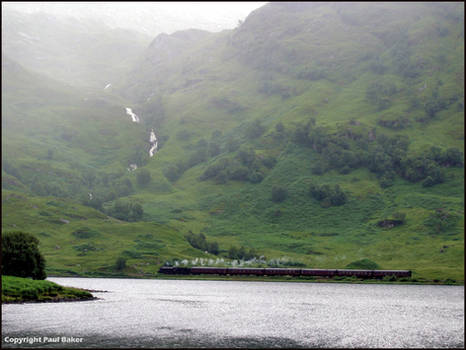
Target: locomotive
(235, 271)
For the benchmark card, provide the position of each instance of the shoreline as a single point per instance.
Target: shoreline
(19, 290)
(59, 300)
(271, 279)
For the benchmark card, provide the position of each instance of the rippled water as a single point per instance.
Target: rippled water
(170, 313)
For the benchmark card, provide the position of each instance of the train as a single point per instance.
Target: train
(244, 271)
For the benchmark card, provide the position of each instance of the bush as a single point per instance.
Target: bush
(120, 264)
(172, 172)
(327, 195)
(255, 129)
(364, 264)
(441, 221)
(279, 194)
(21, 256)
(200, 242)
(255, 177)
(143, 177)
(85, 232)
(126, 211)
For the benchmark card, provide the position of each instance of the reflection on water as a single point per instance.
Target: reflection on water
(179, 314)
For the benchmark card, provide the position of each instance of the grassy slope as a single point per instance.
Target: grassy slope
(17, 289)
(234, 65)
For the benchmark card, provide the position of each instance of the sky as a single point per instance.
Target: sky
(149, 17)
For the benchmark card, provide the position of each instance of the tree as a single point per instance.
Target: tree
(120, 263)
(136, 211)
(246, 155)
(143, 177)
(279, 127)
(21, 256)
(172, 172)
(255, 129)
(279, 194)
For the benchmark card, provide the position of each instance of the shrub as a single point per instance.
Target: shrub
(279, 194)
(143, 177)
(327, 195)
(255, 176)
(85, 232)
(172, 172)
(127, 211)
(21, 256)
(120, 264)
(441, 221)
(200, 242)
(364, 264)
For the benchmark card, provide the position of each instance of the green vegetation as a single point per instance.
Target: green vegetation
(314, 133)
(363, 264)
(21, 256)
(17, 289)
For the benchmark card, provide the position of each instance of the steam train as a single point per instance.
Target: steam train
(234, 271)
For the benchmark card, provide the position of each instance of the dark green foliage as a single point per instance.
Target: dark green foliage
(226, 169)
(380, 93)
(442, 221)
(327, 195)
(272, 88)
(127, 211)
(143, 177)
(120, 264)
(83, 249)
(85, 232)
(394, 124)
(279, 127)
(247, 156)
(400, 216)
(240, 173)
(269, 161)
(241, 253)
(279, 194)
(21, 256)
(173, 172)
(216, 170)
(313, 74)
(200, 242)
(378, 67)
(452, 157)
(255, 129)
(255, 176)
(363, 264)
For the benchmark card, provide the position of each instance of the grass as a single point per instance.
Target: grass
(233, 66)
(18, 289)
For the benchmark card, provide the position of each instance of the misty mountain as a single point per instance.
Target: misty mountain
(315, 133)
(81, 52)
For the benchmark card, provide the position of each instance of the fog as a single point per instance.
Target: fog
(150, 18)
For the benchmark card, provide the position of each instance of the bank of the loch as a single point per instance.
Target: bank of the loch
(21, 290)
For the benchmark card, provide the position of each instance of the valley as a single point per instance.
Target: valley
(312, 135)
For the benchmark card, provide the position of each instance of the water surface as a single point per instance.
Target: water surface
(176, 313)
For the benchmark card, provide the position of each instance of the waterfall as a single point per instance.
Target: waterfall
(133, 116)
(153, 142)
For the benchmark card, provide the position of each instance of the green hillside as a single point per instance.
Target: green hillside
(313, 134)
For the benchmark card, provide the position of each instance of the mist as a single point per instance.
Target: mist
(150, 18)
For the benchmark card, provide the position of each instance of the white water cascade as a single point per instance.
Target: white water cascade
(153, 142)
(133, 116)
(152, 138)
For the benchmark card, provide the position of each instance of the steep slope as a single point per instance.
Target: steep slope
(77, 51)
(314, 134)
(371, 87)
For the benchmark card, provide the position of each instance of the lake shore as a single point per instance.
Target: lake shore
(18, 290)
(413, 281)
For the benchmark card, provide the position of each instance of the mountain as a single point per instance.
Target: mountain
(81, 52)
(314, 134)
